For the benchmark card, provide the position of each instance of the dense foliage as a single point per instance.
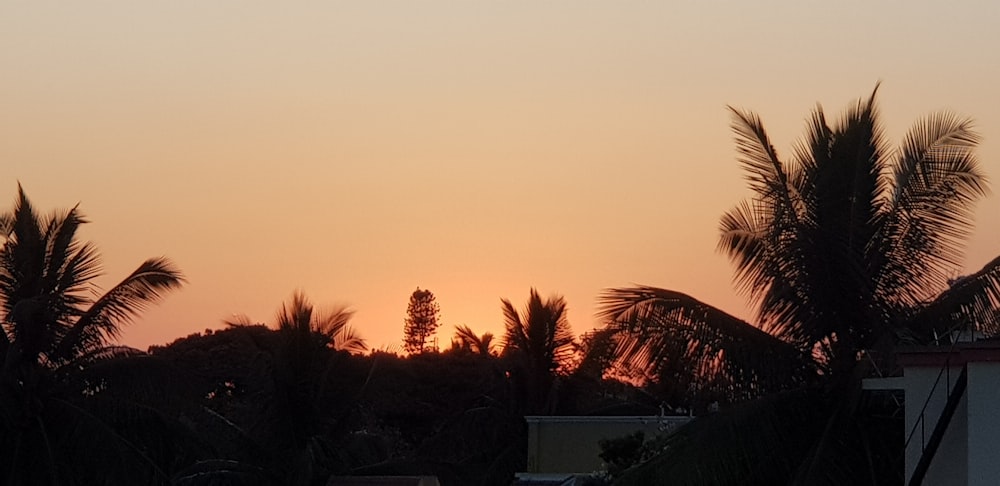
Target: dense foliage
(291, 404)
(845, 250)
(60, 381)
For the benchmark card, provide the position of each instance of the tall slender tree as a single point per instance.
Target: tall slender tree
(302, 398)
(422, 314)
(844, 250)
(55, 327)
(304, 413)
(539, 343)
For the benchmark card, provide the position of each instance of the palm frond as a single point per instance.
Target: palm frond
(929, 212)
(6, 224)
(815, 148)
(299, 315)
(104, 354)
(468, 339)
(765, 171)
(515, 336)
(763, 236)
(335, 324)
(597, 352)
(541, 331)
(102, 321)
(296, 314)
(240, 320)
(465, 335)
(73, 280)
(23, 255)
(748, 239)
(60, 234)
(971, 303)
(698, 349)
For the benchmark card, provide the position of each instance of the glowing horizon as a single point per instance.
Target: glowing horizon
(358, 151)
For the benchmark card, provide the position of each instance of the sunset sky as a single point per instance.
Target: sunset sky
(358, 150)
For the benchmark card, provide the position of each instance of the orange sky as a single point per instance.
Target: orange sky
(357, 150)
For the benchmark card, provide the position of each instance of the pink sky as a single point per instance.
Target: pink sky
(357, 150)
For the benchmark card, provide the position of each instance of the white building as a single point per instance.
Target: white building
(952, 395)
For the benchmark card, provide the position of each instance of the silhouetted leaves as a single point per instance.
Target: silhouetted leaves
(70, 413)
(844, 250)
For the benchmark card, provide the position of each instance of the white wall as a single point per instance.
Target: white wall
(984, 423)
(948, 465)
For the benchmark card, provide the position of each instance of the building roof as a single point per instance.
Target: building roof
(956, 355)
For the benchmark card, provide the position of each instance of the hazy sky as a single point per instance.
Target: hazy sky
(357, 150)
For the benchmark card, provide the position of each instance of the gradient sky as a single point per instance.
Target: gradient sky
(357, 150)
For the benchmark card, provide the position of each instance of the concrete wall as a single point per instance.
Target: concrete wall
(969, 454)
(570, 444)
(918, 383)
(983, 423)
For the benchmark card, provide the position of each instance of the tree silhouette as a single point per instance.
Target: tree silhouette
(333, 327)
(844, 251)
(467, 339)
(301, 392)
(421, 321)
(57, 328)
(539, 342)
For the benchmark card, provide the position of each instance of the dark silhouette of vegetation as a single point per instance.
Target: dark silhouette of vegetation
(845, 250)
(285, 407)
(622, 453)
(539, 344)
(331, 327)
(289, 404)
(58, 400)
(467, 340)
(422, 314)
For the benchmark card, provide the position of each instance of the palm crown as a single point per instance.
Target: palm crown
(845, 250)
(47, 291)
(55, 348)
(846, 247)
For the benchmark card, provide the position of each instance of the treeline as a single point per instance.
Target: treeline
(290, 403)
(294, 408)
(845, 250)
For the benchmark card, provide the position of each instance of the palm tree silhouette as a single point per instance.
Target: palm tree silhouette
(539, 342)
(331, 328)
(302, 411)
(298, 315)
(845, 250)
(466, 338)
(56, 327)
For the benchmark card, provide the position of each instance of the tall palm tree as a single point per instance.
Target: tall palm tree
(540, 342)
(55, 326)
(303, 402)
(844, 250)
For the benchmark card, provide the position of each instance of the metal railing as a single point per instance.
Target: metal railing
(953, 394)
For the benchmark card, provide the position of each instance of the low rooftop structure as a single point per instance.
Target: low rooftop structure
(569, 444)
